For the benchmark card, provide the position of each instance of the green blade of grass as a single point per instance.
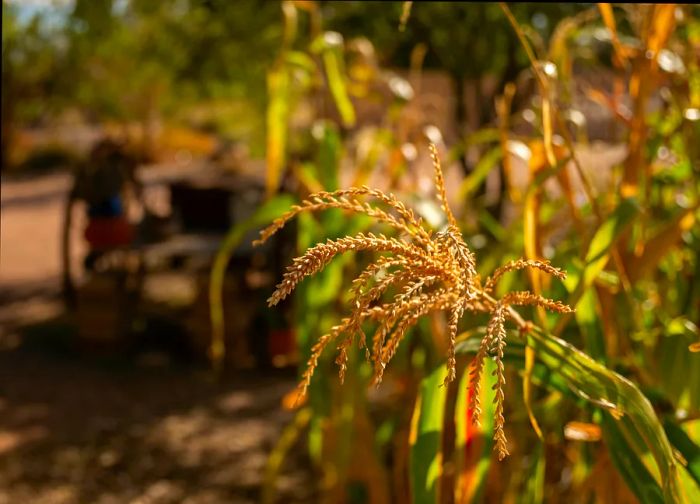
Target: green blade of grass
(534, 485)
(286, 441)
(598, 255)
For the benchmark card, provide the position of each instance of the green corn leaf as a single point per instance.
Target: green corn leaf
(599, 248)
(266, 213)
(686, 446)
(589, 324)
(534, 484)
(480, 172)
(594, 383)
(330, 46)
(329, 154)
(474, 444)
(300, 60)
(627, 462)
(278, 109)
(279, 452)
(426, 438)
(562, 367)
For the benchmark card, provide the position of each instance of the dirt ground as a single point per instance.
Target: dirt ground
(79, 429)
(74, 432)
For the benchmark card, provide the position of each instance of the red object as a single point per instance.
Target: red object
(103, 233)
(280, 342)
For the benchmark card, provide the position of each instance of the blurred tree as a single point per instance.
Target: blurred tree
(469, 41)
(144, 59)
(29, 60)
(131, 61)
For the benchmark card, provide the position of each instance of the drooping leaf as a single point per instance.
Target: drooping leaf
(562, 367)
(593, 382)
(267, 212)
(627, 462)
(686, 446)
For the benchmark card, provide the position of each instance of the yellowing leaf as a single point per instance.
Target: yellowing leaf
(663, 23)
(582, 431)
(330, 45)
(277, 118)
(606, 12)
(660, 245)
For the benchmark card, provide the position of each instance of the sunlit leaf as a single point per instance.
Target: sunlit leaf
(277, 121)
(594, 383)
(660, 244)
(405, 14)
(686, 446)
(473, 444)
(587, 319)
(631, 426)
(606, 12)
(301, 60)
(426, 438)
(597, 255)
(330, 45)
(663, 23)
(627, 462)
(480, 172)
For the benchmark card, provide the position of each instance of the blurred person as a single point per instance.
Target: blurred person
(104, 182)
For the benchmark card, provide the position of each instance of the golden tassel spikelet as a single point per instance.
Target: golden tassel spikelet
(427, 271)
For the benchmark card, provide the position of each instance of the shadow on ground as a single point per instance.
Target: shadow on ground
(84, 429)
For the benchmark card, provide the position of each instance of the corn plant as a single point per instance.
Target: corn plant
(428, 271)
(608, 382)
